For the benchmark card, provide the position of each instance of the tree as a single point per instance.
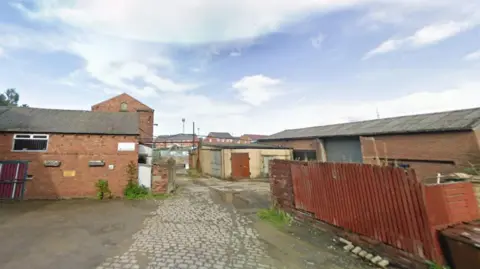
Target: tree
(10, 98)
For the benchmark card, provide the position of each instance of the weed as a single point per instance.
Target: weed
(193, 173)
(432, 265)
(275, 216)
(103, 191)
(134, 191)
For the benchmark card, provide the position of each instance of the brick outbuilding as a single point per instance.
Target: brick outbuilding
(69, 151)
(432, 143)
(126, 103)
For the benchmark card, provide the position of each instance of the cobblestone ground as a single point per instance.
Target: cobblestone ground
(191, 231)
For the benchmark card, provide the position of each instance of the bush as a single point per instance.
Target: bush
(103, 191)
(134, 191)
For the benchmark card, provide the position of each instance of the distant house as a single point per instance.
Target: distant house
(126, 103)
(68, 151)
(251, 138)
(220, 137)
(430, 143)
(178, 140)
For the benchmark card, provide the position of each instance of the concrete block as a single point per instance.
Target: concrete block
(345, 241)
(383, 263)
(356, 250)
(376, 259)
(369, 256)
(362, 253)
(348, 247)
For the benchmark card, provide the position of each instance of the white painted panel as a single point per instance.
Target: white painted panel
(145, 175)
(266, 160)
(126, 146)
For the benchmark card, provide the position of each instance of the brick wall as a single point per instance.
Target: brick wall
(146, 114)
(163, 177)
(430, 153)
(74, 151)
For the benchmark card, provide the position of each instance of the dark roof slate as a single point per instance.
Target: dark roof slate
(220, 135)
(458, 120)
(40, 120)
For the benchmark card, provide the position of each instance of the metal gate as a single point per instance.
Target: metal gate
(13, 175)
(216, 163)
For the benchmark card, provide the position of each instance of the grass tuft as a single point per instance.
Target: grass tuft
(275, 216)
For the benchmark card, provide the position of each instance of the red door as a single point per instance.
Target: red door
(240, 165)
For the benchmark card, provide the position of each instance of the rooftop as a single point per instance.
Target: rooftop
(242, 146)
(40, 120)
(457, 120)
(220, 135)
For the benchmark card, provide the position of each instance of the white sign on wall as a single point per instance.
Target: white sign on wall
(126, 146)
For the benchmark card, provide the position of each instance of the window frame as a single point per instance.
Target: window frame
(123, 109)
(31, 137)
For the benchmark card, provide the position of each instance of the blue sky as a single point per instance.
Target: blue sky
(245, 66)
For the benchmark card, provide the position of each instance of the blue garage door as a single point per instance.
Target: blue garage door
(343, 150)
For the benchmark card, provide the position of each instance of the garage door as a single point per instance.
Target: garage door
(266, 161)
(343, 150)
(217, 163)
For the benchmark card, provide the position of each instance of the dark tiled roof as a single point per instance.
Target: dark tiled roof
(177, 137)
(39, 120)
(243, 146)
(457, 120)
(220, 135)
(255, 136)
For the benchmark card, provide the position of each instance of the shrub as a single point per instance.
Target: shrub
(103, 191)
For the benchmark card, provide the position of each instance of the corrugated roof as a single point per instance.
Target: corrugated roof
(457, 120)
(39, 120)
(220, 135)
(243, 146)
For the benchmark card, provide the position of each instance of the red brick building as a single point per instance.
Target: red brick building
(251, 138)
(87, 146)
(178, 140)
(430, 143)
(126, 103)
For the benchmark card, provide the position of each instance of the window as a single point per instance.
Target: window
(30, 142)
(123, 107)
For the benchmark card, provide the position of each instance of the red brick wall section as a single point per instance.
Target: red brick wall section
(74, 151)
(159, 178)
(281, 185)
(456, 147)
(146, 114)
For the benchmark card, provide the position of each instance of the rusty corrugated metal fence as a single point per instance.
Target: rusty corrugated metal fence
(383, 203)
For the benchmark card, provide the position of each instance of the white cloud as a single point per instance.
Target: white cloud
(428, 35)
(2, 52)
(473, 56)
(194, 22)
(235, 54)
(299, 116)
(317, 41)
(257, 89)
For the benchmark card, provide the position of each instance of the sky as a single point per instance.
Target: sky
(245, 66)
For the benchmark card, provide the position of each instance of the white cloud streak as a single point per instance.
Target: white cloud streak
(473, 56)
(257, 89)
(425, 36)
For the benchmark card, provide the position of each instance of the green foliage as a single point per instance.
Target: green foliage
(103, 191)
(275, 216)
(10, 98)
(132, 172)
(432, 265)
(134, 191)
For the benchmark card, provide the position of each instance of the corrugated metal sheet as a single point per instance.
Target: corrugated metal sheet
(466, 119)
(383, 203)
